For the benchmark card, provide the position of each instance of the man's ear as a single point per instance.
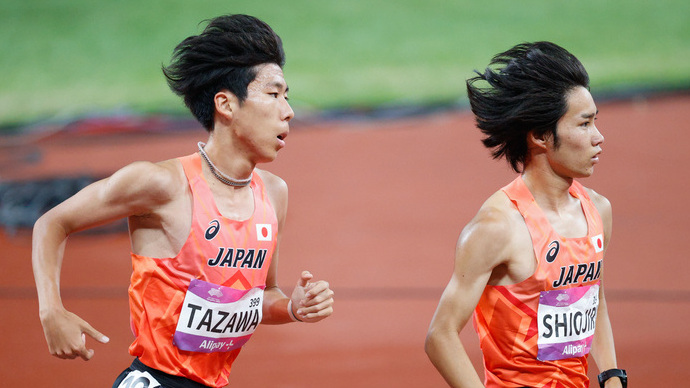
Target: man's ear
(537, 140)
(224, 102)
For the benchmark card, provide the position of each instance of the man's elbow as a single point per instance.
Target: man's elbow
(41, 226)
(431, 342)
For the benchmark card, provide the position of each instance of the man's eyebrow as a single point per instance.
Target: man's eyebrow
(589, 115)
(280, 85)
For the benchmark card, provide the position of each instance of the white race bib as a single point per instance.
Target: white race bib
(216, 318)
(567, 319)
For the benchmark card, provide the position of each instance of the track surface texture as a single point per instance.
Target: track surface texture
(375, 208)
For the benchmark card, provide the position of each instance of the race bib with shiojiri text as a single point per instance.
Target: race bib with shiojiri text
(216, 318)
(567, 319)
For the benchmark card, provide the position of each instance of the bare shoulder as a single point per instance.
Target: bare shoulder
(277, 190)
(603, 206)
(272, 181)
(490, 236)
(602, 203)
(169, 176)
(497, 217)
(147, 182)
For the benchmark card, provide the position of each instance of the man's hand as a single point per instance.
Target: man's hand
(311, 301)
(66, 333)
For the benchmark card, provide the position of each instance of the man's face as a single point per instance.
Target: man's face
(261, 122)
(579, 139)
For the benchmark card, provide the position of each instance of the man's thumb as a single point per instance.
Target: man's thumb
(304, 279)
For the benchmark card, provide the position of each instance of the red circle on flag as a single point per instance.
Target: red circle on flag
(599, 243)
(264, 232)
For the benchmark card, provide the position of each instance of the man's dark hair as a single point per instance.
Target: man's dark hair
(527, 90)
(223, 57)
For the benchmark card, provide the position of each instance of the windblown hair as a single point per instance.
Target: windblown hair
(223, 57)
(526, 90)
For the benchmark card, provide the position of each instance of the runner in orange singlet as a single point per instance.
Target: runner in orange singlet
(205, 229)
(529, 265)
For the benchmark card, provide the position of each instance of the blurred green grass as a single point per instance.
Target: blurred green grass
(61, 58)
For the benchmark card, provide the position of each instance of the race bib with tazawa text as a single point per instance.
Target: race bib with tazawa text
(567, 319)
(216, 318)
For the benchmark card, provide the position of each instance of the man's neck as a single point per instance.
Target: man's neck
(227, 159)
(550, 190)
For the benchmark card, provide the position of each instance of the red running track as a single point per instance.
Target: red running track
(375, 208)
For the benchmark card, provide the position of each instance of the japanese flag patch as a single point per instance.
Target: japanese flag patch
(264, 232)
(598, 242)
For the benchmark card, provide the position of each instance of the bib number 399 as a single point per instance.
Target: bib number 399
(216, 318)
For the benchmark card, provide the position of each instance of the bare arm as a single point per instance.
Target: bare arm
(135, 189)
(482, 246)
(603, 348)
(310, 301)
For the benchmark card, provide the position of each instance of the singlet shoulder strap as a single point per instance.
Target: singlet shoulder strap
(524, 201)
(519, 195)
(191, 165)
(579, 191)
(594, 221)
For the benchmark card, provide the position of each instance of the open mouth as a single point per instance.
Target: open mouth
(281, 139)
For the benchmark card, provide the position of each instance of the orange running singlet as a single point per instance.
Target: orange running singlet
(537, 333)
(192, 313)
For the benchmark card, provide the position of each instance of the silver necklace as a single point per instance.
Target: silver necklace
(219, 174)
